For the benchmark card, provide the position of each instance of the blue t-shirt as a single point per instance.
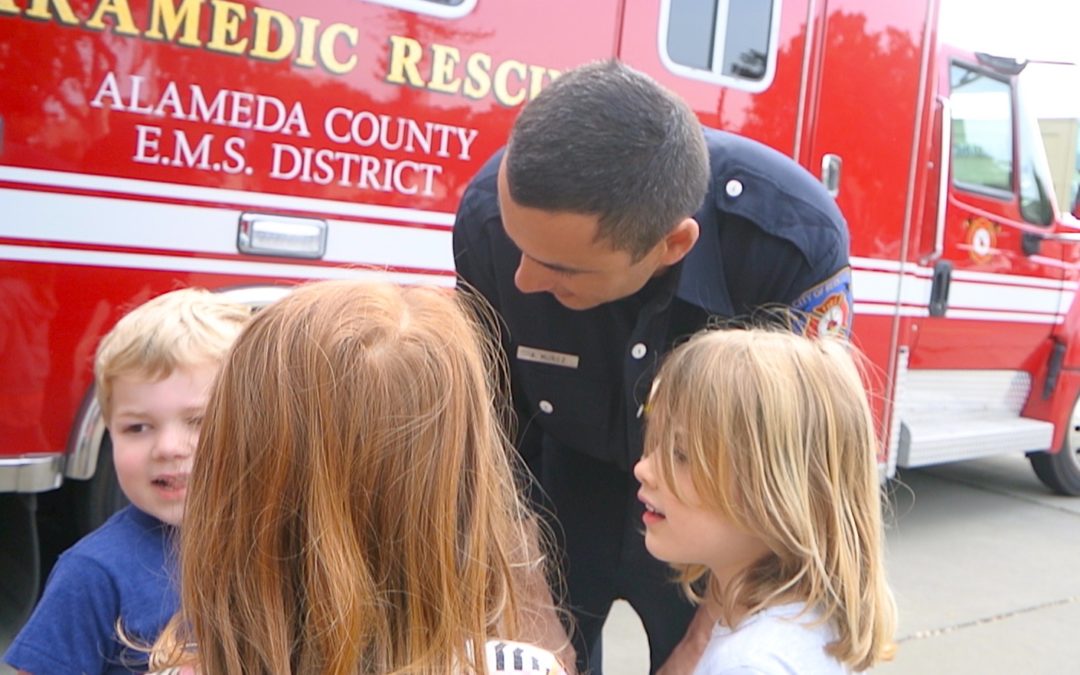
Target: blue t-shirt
(122, 570)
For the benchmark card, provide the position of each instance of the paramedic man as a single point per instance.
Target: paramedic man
(606, 231)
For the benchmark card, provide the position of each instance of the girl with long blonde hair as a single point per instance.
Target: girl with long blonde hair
(760, 486)
(353, 507)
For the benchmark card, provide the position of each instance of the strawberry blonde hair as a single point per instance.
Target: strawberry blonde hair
(780, 440)
(353, 505)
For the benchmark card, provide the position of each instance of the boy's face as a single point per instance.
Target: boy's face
(154, 429)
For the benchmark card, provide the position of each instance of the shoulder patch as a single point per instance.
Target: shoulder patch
(825, 309)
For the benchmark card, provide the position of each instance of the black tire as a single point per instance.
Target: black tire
(1060, 471)
(96, 499)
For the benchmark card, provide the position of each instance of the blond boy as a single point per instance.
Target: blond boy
(153, 373)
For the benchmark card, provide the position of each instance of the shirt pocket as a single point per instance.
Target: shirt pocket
(573, 410)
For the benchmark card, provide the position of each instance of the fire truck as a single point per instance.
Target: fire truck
(245, 146)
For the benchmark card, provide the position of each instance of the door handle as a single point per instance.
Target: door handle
(939, 290)
(1031, 243)
(831, 165)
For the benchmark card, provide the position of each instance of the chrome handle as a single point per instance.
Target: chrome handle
(830, 172)
(263, 234)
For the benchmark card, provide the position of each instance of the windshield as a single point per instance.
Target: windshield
(1036, 187)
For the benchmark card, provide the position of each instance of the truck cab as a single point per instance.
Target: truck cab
(988, 360)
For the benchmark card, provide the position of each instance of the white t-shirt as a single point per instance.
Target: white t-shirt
(772, 642)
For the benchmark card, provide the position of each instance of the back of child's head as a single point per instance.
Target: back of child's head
(353, 491)
(780, 439)
(181, 329)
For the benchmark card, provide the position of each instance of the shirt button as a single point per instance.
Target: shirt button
(546, 407)
(639, 351)
(733, 188)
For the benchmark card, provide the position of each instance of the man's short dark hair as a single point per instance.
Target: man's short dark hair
(607, 140)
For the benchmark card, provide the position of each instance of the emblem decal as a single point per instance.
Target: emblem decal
(825, 309)
(980, 239)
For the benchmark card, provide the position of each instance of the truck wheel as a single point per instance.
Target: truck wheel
(96, 499)
(1060, 471)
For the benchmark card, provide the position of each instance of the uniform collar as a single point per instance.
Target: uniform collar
(701, 280)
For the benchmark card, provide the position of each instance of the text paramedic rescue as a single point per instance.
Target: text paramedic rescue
(271, 35)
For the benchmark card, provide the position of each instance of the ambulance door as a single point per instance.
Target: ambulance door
(738, 63)
(835, 85)
(867, 125)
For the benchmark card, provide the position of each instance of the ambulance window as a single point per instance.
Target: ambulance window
(730, 42)
(1036, 183)
(446, 9)
(982, 132)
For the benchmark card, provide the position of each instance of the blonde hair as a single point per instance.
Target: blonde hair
(180, 329)
(780, 440)
(354, 493)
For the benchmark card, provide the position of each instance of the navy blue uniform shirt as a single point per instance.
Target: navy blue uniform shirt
(770, 235)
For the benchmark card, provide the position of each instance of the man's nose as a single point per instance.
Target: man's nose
(532, 277)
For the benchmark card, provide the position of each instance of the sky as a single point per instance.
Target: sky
(1036, 30)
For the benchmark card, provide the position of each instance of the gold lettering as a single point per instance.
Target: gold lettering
(536, 79)
(264, 20)
(39, 9)
(502, 77)
(9, 7)
(308, 30)
(225, 27)
(444, 60)
(166, 21)
(326, 48)
(477, 75)
(405, 53)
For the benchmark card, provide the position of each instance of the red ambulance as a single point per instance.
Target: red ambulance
(245, 146)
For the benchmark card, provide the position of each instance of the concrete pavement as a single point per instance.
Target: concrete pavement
(984, 564)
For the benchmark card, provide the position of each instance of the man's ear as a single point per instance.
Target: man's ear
(679, 241)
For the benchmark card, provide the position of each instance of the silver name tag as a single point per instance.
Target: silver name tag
(544, 356)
